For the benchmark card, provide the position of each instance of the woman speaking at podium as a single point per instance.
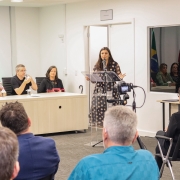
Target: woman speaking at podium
(99, 106)
(51, 83)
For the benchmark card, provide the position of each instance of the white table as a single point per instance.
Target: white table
(174, 106)
(54, 112)
(164, 89)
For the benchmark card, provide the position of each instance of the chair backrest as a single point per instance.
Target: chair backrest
(6, 81)
(176, 151)
(38, 80)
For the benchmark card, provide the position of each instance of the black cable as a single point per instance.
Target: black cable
(134, 96)
(144, 97)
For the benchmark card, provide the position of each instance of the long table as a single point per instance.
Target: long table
(54, 112)
(164, 89)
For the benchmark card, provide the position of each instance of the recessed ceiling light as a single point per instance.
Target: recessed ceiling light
(16, 0)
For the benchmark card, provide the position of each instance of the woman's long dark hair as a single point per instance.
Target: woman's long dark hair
(49, 70)
(99, 65)
(171, 73)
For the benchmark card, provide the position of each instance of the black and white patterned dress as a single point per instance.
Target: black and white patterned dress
(99, 105)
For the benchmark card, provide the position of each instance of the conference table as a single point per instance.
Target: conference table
(53, 112)
(174, 106)
(171, 89)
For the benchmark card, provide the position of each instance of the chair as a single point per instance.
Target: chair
(166, 159)
(6, 81)
(38, 80)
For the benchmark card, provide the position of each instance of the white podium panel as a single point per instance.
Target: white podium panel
(54, 112)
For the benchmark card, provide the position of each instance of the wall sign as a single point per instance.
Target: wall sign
(106, 15)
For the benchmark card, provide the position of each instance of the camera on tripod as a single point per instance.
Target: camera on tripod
(123, 87)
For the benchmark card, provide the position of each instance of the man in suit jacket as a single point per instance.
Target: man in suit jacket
(173, 131)
(38, 157)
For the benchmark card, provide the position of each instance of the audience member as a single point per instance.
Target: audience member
(173, 131)
(163, 77)
(119, 160)
(51, 83)
(21, 82)
(174, 72)
(9, 166)
(38, 156)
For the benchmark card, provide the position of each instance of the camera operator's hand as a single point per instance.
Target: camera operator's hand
(122, 75)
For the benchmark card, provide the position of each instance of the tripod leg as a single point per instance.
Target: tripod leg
(97, 143)
(141, 144)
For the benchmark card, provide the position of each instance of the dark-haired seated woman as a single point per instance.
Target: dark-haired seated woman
(174, 72)
(51, 83)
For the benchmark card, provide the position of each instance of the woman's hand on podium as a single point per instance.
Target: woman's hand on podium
(122, 75)
(87, 78)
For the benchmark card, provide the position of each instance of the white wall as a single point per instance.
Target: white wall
(26, 39)
(5, 41)
(52, 47)
(146, 13)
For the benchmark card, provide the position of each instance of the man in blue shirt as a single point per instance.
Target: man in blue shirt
(119, 160)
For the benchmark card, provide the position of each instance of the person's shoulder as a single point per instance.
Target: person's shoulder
(44, 140)
(14, 78)
(45, 79)
(59, 80)
(92, 160)
(145, 154)
(159, 73)
(114, 62)
(176, 115)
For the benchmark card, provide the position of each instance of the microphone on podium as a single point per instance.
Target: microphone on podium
(104, 64)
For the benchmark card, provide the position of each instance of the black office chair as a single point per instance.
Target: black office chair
(166, 159)
(38, 80)
(6, 81)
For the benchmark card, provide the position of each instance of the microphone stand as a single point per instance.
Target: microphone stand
(105, 88)
(141, 144)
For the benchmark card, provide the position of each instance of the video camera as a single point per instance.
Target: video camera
(123, 87)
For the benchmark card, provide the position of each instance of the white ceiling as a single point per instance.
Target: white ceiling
(37, 3)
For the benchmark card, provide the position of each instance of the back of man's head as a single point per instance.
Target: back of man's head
(13, 116)
(9, 151)
(120, 122)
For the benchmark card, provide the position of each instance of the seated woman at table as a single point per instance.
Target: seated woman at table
(163, 77)
(174, 72)
(51, 83)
